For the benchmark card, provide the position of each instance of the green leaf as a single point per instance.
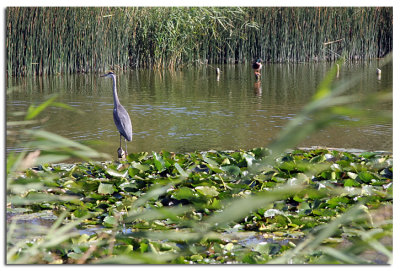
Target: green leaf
(213, 165)
(180, 170)
(154, 192)
(300, 179)
(325, 87)
(232, 169)
(288, 166)
(74, 255)
(240, 207)
(109, 221)
(210, 161)
(184, 193)
(343, 257)
(123, 249)
(215, 204)
(324, 212)
(141, 167)
(105, 188)
(208, 191)
(272, 212)
(304, 208)
(333, 202)
(368, 155)
(366, 176)
(249, 159)
(115, 173)
(318, 159)
(136, 157)
(34, 111)
(57, 145)
(133, 172)
(143, 247)
(352, 175)
(159, 162)
(196, 257)
(351, 183)
(268, 248)
(297, 198)
(80, 213)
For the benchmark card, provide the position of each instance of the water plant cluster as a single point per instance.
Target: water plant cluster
(54, 40)
(270, 205)
(313, 206)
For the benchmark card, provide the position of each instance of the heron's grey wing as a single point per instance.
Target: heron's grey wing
(123, 122)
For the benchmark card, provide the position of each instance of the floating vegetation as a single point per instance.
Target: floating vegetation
(309, 206)
(56, 40)
(265, 205)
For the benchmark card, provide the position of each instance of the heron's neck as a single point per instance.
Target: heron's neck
(116, 100)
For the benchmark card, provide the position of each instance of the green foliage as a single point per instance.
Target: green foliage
(54, 40)
(266, 205)
(196, 210)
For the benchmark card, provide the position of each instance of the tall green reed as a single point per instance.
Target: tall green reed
(54, 40)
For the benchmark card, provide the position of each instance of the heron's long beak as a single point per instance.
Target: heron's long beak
(104, 75)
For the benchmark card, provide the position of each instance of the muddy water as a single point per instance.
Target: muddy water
(193, 109)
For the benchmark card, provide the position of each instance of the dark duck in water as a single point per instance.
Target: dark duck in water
(257, 67)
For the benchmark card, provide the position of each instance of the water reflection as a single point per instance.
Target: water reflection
(257, 89)
(195, 109)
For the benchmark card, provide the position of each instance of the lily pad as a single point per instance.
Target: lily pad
(366, 176)
(109, 221)
(162, 199)
(208, 191)
(105, 188)
(232, 169)
(184, 193)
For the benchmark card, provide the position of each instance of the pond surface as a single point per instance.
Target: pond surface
(193, 109)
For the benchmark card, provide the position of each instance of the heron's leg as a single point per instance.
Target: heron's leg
(126, 148)
(119, 140)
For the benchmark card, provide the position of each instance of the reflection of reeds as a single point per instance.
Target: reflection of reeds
(55, 40)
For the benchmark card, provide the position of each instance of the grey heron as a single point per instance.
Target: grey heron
(121, 118)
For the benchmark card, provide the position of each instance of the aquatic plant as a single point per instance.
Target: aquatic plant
(54, 40)
(212, 207)
(266, 205)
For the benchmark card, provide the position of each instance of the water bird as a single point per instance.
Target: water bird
(121, 118)
(257, 67)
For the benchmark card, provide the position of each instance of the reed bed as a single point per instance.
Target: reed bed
(57, 40)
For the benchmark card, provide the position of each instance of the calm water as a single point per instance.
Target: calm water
(192, 109)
